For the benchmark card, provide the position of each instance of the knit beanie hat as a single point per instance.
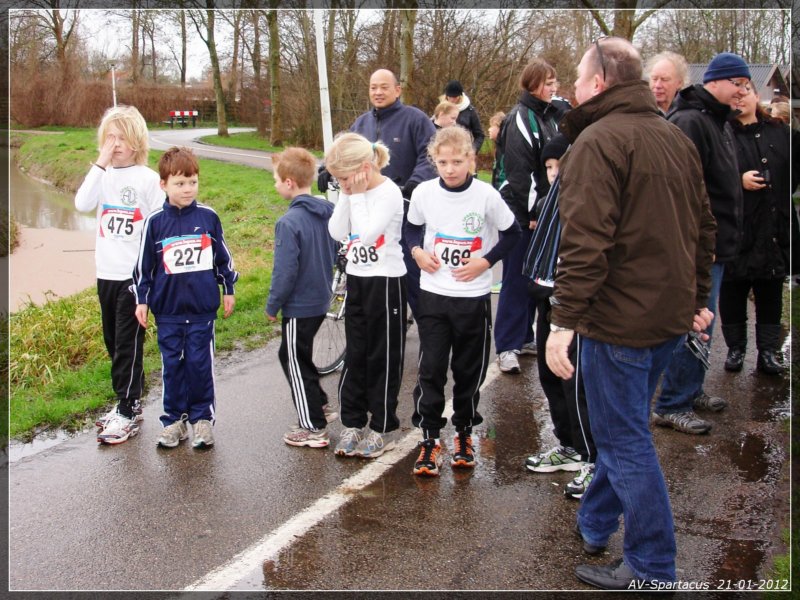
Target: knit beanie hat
(453, 89)
(726, 65)
(555, 148)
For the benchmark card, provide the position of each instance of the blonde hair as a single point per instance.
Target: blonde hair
(497, 119)
(444, 108)
(350, 150)
(458, 138)
(132, 125)
(297, 164)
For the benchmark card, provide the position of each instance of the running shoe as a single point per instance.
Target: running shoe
(374, 445)
(203, 434)
(430, 458)
(173, 434)
(463, 454)
(118, 429)
(576, 487)
(559, 458)
(508, 362)
(297, 436)
(348, 441)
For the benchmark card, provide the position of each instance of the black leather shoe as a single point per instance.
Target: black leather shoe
(587, 547)
(616, 576)
(768, 363)
(735, 360)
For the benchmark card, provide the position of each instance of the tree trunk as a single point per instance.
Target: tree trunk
(234, 75)
(261, 124)
(276, 124)
(183, 47)
(134, 66)
(222, 119)
(408, 19)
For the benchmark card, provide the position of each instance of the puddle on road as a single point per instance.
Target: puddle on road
(19, 450)
(743, 558)
(755, 459)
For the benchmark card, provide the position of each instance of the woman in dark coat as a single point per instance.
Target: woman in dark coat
(762, 144)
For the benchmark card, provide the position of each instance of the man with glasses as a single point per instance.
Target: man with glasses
(703, 113)
(633, 277)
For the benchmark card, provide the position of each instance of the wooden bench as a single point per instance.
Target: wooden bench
(182, 117)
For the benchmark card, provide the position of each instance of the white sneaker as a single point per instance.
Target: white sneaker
(508, 362)
(331, 414)
(373, 445)
(173, 434)
(348, 441)
(118, 429)
(203, 434)
(100, 423)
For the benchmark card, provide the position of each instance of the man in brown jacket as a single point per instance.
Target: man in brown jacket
(634, 276)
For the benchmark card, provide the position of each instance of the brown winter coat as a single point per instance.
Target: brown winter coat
(637, 237)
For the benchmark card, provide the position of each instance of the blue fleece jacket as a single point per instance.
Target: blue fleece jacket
(182, 262)
(406, 131)
(304, 254)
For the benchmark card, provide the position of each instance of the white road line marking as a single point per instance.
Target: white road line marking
(205, 148)
(226, 576)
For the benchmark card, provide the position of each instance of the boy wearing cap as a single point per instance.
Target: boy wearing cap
(703, 112)
(467, 115)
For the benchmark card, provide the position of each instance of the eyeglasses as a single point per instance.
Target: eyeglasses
(600, 55)
(740, 84)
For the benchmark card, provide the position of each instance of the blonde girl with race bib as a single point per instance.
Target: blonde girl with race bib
(122, 191)
(462, 219)
(369, 215)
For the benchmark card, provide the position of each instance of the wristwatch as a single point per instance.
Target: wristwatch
(555, 328)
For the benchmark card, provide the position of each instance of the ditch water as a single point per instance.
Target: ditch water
(38, 205)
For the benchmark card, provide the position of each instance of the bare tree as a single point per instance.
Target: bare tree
(204, 23)
(276, 101)
(408, 19)
(253, 47)
(626, 19)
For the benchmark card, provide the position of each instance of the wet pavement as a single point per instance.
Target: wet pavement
(134, 517)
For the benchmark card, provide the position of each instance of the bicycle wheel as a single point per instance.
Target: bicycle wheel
(330, 342)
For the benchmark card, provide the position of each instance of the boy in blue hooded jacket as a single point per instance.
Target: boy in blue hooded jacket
(301, 290)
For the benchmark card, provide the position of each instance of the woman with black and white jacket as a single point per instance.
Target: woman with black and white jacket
(762, 145)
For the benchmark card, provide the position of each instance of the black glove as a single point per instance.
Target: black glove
(323, 179)
(408, 188)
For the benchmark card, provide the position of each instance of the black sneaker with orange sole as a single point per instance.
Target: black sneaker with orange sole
(463, 454)
(430, 458)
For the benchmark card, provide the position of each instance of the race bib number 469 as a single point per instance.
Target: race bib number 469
(120, 223)
(187, 254)
(453, 250)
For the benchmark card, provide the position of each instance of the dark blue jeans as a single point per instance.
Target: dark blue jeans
(684, 377)
(619, 382)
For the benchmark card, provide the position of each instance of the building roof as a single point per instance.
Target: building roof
(767, 78)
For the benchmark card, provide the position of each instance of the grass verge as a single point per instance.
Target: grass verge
(59, 373)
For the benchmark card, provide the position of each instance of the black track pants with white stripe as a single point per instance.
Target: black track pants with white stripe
(463, 326)
(295, 355)
(124, 339)
(375, 326)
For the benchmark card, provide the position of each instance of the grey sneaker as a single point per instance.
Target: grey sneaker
(508, 362)
(100, 423)
(173, 434)
(348, 440)
(331, 414)
(373, 445)
(559, 458)
(685, 422)
(529, 348)
(712, 403)
(297, 436)
(203, 434)
(118, 429)
(576, 487)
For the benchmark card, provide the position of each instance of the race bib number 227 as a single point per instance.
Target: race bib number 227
(187, 254)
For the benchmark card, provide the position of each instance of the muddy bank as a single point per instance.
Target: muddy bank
(49, 264)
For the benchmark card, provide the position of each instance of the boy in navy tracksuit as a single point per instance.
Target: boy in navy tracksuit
(301, 290)
(182, 262)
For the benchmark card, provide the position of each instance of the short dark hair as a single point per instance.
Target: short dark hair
(178, 161)
(620, 60)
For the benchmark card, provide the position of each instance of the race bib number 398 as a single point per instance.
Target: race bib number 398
(367, 256)
(187, 254)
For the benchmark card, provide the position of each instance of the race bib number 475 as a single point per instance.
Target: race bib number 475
(120, 223)
(187, 254)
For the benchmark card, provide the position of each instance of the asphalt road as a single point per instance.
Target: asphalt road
(255, 514)
(163, 139)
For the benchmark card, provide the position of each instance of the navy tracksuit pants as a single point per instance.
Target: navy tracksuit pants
(187, 366)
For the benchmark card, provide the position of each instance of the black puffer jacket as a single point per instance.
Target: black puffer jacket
(469, 120)
(518, 159)
(768, 213)
(705, 121)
